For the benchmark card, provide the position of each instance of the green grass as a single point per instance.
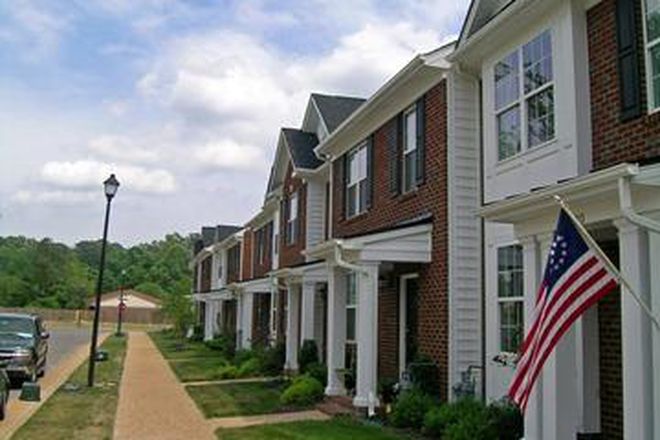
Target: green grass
(86, 413)
(224, 400)
(336, 429)
(173, 347)
(200, 369)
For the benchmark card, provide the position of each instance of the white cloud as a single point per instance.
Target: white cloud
(59, 197)
(122, 148)
(86, 174)
(228, 154)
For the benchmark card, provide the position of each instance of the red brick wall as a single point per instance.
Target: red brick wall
(260, 269)
(206, 274)
(611, 391)
(388, 330)
(246, 270)
(290, 255)
(615, 141)
(388, 210)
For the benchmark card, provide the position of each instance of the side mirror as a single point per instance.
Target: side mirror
(45, 335)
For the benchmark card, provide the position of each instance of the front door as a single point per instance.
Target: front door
(408, 313)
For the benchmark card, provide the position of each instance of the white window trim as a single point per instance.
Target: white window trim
(522, 99)
(403, 319)
(356, 183)
(291, 222)
(352, 306)
(648, 71)
(409, 149)
(506, 299)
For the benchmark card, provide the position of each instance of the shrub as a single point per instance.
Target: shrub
(506, 420)
(424, 375)
(387, 388)
(411, 407)
(303, 391)
(228, 372)
(250, 367)
(272, 359)
(243, 355)
(318, 371)
(226, 345)
(308, 355)
(465, 419)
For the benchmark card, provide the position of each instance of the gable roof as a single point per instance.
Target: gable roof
(479, 14)
(334, 109)
(116, 293)
(301, 148)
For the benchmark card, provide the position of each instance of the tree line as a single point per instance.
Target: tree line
(45, 273)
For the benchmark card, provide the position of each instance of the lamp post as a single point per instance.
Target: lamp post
(110, 187)
(121, 306)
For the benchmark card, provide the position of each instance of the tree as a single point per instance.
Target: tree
(179, 310)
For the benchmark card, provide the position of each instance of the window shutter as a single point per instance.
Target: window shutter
(285, 215)
(395, 144)
(421, 137)
(298, 234)
(628, 59)
(370, 171)
(343, 176)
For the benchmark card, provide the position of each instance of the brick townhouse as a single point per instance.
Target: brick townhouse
(568, 100)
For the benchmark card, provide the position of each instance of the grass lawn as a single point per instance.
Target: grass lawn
(86, 413)
(336, 429)
(224, 400)
(173, 347)
(199, 369)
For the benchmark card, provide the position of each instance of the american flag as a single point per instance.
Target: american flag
(575, 278)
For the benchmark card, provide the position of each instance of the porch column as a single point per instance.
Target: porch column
(654, 261)
(217, 323)
(532, 280)
(208, 320)
(307, 315)
(246, 322)
(367, 337)
(293, 305)
(336, 330)
(239, 320)
(636, 347)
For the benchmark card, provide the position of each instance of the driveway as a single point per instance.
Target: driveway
(62, 343)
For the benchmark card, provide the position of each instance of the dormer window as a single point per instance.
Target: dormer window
(524, 91)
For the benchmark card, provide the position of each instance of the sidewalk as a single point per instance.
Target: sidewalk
(152, 403)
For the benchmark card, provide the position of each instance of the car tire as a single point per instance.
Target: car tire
(42, 371)
(3, 406)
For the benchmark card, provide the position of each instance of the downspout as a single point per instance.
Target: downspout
(628, 211)
(339, 260)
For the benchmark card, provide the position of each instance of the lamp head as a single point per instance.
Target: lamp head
(111, 185)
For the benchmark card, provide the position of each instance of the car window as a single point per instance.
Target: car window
(17, 324)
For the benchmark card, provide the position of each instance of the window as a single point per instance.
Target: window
(409, 149)
(510, 295)
(259, 245)
(292, 220)
(356, 181)
(524, 91)
(351, 307)
(652, 19)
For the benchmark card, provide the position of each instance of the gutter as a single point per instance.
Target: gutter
(339, 260)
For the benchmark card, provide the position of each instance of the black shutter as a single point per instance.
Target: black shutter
(395, 142)
(286, 220)
(370, 172)
(343, 176)
(298, 226)
(421, 137)
(628, 59)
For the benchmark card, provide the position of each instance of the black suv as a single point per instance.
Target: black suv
(23, 345)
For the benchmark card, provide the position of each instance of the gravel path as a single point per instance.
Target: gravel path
(152, 402)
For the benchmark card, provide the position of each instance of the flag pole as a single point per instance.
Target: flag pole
(611, 266)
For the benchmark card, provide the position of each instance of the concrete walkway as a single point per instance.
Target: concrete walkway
(152, 402)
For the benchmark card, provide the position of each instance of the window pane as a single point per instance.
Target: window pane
(363, 196)
(351, 195)
(511, 326)
(411, 131)
(537, 62)
(654, 55)
(350, 324)
(652, 19)
(509, 272)
(410, 170)
(540, 118)
(506, 81)
(362, 163)
(508, 133)
(351, 290)
(352, 168)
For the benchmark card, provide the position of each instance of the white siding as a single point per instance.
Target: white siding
(464, 227)
(314, 214)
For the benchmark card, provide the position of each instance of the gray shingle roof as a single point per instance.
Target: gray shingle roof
(301, 148)
(335, 109)
(483, 11)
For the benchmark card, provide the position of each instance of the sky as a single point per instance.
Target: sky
(182, 100)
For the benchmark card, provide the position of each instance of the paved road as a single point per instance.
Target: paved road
(62, 342)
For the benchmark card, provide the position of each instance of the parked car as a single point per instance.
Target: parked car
(23, 346)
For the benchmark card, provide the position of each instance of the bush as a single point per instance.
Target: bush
(243, 355)
(387, 389)
(465, 419)
(250, 367)
(411, 407)
(506, 420)
(223, 344)
(318, 371)
(424, 375)
(308, 355)
(228, 372)
(303, 391)
(272, 359)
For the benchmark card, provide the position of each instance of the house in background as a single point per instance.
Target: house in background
(140, 308)
(569, 100)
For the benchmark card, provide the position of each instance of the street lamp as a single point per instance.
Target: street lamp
(110, 187)
(121, 306)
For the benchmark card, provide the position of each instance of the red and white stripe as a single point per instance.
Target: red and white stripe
(581, 286)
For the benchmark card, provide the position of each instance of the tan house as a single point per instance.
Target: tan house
(140, 307)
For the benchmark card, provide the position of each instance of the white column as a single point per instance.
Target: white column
(532, 280)
(246, 322)
(307, 315)
(293, 306)
(636, 348)
(367, 337)
(588, 368)
(239, 321)
(208, 320)
(336, 330)
(654, 261)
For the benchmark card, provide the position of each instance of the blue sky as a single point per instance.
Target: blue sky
(182, 99)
